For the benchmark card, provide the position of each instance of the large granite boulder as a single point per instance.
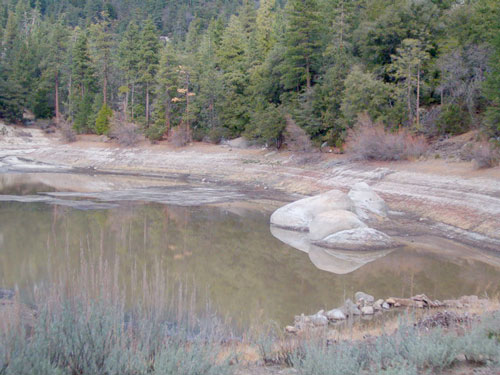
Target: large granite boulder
(330, 222)
(366, 202)
(298, 215)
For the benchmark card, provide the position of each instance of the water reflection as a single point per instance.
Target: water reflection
(332, 260)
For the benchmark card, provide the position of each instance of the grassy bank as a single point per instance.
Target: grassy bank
(88, 326)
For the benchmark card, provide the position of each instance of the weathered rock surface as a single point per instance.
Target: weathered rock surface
(298, 215)
(335, 314)
(367, 310)
(331, 222)
(366, 201)
(360, 239)
(319, 319)
(364, 298)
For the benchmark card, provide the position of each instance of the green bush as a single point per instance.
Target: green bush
(453, 120)
(102, 122)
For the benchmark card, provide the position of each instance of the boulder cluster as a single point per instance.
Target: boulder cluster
(336, 220)
(365, 305)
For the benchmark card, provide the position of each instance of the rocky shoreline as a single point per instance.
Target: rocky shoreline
(366, 306)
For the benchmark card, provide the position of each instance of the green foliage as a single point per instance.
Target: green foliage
(453, 120)
(267, 126)
(102, 121)
(364, 93)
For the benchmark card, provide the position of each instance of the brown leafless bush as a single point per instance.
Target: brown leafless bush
(125, 133)
(68, 134)
(179, 136)
(369, 141)
(485, 155)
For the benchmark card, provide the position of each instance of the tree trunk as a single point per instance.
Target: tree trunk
(308, 74)
(125, 106)
(410, 118)
(133, 96)
(57, 97)
(418, 95)
(147, 104)
(105, 89)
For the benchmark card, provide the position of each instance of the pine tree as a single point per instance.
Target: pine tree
(265, 26)
(149, 59)
(101, 43)
(129, 61)
(303, 43)
(54, 61)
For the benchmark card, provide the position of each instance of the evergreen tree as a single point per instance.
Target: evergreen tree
(129, 61)
(148, 61)
(303, 43)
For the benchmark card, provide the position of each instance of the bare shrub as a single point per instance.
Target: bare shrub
(485, 155)
(180, 136)
(68, 134)
(369, 141)
(125, 133)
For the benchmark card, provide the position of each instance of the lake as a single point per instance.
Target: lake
(215, 239)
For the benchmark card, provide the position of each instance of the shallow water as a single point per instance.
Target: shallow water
(225, 250)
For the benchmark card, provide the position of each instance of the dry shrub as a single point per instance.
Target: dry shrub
(369, 141)
(180, 136)
(125, 133)
(68, 134)
(485, 155)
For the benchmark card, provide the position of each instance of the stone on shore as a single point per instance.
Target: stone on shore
(367, 310)
(335, 314)
(361, 297)
(350, 308)
(319, 319)
(298, 215)
(331, 222)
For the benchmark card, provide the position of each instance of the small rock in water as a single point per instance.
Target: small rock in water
(363, 297)
(335, 314)
(386, 306)
(367, 310)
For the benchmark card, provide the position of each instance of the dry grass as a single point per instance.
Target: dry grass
(369, 141)
(68, 134)
(125, 133)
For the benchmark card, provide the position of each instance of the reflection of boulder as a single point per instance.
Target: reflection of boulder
(331, 260)
(298, 240)
(328, 227)
(299, 214)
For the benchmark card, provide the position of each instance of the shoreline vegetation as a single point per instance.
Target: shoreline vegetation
(85, 324)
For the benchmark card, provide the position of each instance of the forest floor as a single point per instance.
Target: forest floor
(450, 198)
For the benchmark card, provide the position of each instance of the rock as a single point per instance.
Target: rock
(366, 201)
(331, 222)
(360, 239)
(335, 314)
(319, 319)
(390, 301)
(377, 305)
(291, 329)
(367, 310)
(298, 215)
(350, 309)
(238, 143)
(366, 298)
(385, 306)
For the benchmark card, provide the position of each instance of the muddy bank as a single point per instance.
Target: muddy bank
(448, 199)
